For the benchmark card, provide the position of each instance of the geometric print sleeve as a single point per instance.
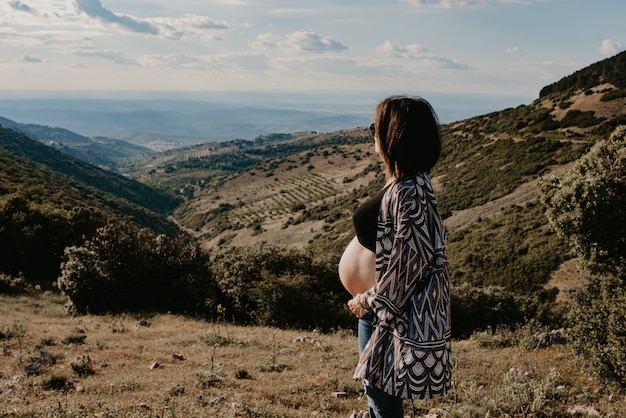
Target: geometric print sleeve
(406, 248)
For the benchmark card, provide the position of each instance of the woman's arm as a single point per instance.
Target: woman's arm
(407, 247)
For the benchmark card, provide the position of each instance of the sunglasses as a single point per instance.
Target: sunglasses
(373, 129)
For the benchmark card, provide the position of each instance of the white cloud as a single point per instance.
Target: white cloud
(445, 4)
(419, 53)
(266, 41)
(190, 26)
(514, 50)
(29, 59)
(610, 47)
(231, 2)
(34, 13)
(95, 10)
(18, 5)
(401, 51)
(298, 42)
(453, 4)
(312, 42)
(109, 55)
(45, 42)
(293, 11)
(179, 60)
(235, 61)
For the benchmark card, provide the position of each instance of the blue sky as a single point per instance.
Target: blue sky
(493, 47)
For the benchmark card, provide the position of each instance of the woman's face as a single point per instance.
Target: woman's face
(376, 140)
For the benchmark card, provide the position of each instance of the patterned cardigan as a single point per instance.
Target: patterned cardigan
(409, 353)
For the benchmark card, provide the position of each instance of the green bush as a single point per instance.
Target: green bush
(580, 119)
(56, 383)
(613, 95)
(476, 309)
(270, 285)
(125, 268)
(10, 285)
(598, 318)
(495, 308)
(588, 207)
(30, 231)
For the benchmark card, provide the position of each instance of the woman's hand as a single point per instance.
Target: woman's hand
(356, 307)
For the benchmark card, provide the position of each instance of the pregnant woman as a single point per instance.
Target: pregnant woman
(396, 267)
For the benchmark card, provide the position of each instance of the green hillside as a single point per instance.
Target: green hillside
(610, 71)
(68, 182)
(49, 201)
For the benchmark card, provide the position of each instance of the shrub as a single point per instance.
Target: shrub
(496, 309)
(242, 374)
(269, 285)
(74, 339)
(598, 318)
(613, 95)
(83, 366)
(56, 383)
(588, 207)
(580, 119)
(206, 379)
(10, 285)
(30, 231)
(124, 268)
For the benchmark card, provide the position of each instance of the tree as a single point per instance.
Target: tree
(34, 236)
(588, 207)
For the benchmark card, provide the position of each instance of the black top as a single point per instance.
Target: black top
(365, 219)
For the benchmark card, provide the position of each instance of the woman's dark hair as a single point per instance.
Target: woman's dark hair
(409, 135)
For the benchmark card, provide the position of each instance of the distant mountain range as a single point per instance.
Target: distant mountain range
(101, 152)
(167, 120)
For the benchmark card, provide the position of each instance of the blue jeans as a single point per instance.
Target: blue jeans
(381, 404)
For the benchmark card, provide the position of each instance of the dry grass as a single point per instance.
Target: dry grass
(208, 369)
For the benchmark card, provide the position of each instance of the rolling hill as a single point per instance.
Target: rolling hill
(47, 176)
(299, 190)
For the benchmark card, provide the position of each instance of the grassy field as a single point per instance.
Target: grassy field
(173, 366)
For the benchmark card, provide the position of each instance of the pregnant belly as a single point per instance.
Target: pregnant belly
(357, 268)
